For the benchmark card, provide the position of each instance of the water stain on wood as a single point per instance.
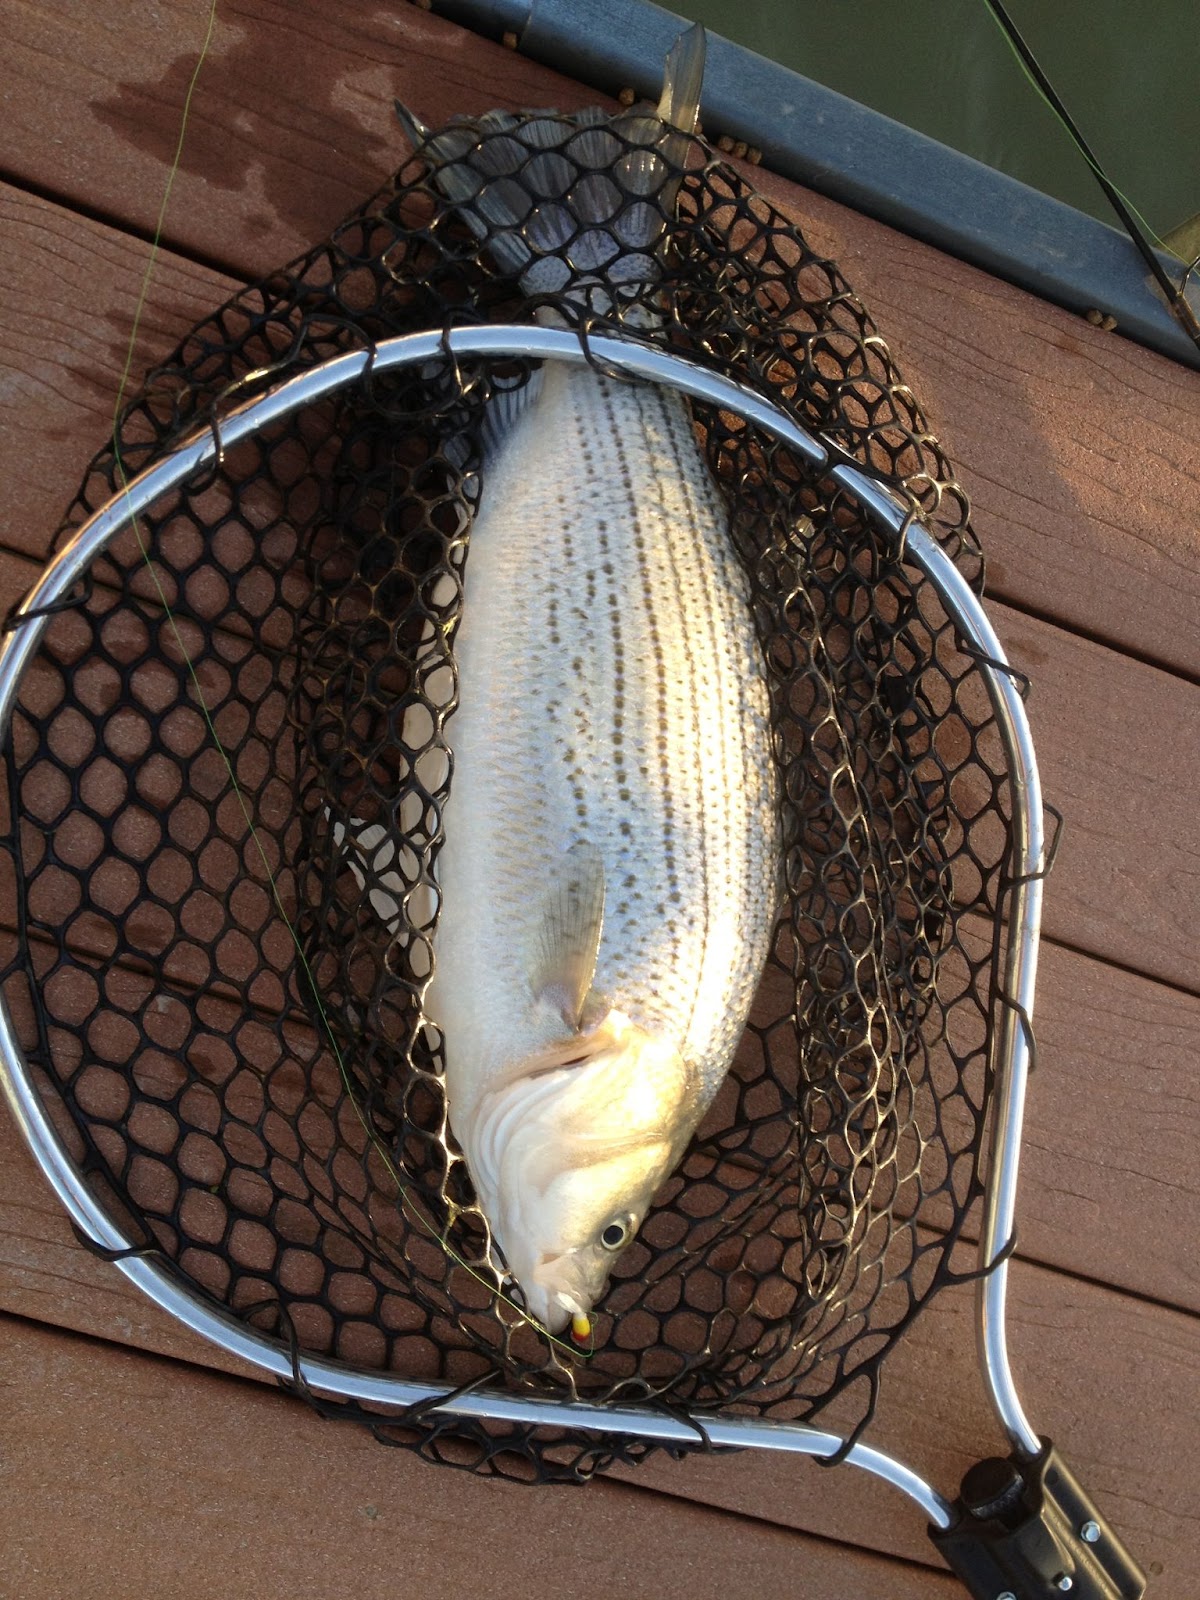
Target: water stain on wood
(234, 132)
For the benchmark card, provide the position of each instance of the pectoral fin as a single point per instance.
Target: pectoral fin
(566, 942)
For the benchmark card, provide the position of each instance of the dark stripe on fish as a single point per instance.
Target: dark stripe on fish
(696, 791)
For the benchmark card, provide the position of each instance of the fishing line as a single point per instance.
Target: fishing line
(1134, 223)
(574, 1349)
(156, 240)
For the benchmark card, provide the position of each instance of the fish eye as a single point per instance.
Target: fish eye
(616, 1234)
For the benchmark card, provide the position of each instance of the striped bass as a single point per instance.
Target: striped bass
(608, 877)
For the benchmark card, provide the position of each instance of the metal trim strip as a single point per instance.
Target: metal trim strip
(827, 142)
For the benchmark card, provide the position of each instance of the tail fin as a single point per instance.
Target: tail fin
(682, 80)
(566, 203)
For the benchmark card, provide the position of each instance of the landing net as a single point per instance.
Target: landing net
(229, 1031)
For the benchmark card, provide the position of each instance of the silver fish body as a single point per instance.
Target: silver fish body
(611, 849)
(605, 886)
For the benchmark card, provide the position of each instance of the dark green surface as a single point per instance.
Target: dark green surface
(1128, 71)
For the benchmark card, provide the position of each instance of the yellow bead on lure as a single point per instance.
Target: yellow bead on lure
(608, 877)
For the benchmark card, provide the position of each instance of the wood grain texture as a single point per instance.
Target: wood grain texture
(1078, 447)
(1118, 746)
(1110, 1183)
(124, 1475)
(72, 292)
(291, 125)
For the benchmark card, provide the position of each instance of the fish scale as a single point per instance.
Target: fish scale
(612, 695)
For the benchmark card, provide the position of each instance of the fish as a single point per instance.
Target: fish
(607, 884)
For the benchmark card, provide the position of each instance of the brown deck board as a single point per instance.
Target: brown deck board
(72, 291)
(1106, 1377)
(1110, 1184)
(291, 124)
(1083, 459)
(1079, 448)
(1118, 746)
(131, 1476)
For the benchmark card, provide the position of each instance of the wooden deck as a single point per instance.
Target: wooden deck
(135, 1459)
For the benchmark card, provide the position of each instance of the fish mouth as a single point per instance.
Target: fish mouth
(555, 1292)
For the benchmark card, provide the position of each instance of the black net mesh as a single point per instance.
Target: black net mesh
(242, 673)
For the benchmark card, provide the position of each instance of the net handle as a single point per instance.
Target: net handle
(1011, 1056)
